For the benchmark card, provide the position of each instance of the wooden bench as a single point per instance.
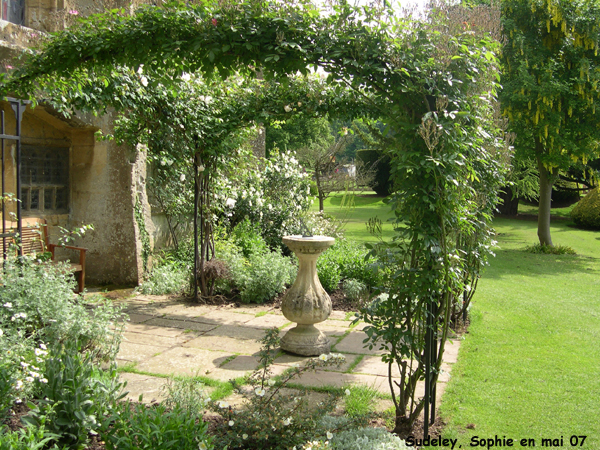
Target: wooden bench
(35, 240)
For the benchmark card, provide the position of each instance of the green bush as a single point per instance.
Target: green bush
(166, 279)
(351, 261)
(137, 426)
(247, 237)
(262, 277)
(329, 273)
(367, 439)
(28, 438)
(74, 395)
(586, 213)
(37, 300)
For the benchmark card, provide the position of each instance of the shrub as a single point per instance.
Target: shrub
(156, 427)
(262, 277)
(586, 213)
(375, 159)
(74, 396)
(367, 439)
(41, 305)
(248, 239)
(28, 438)
(321, 224)
(354, 290)
(352, 262)
(549, 250)
(329, 274)
(165, 279)
(187, 394)
(270, 418)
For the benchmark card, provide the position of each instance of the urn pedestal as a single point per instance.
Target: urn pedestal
(306, 302)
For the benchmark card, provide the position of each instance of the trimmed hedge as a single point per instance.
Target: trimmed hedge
(586, 213)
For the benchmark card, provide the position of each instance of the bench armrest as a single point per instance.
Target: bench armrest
(52, 247)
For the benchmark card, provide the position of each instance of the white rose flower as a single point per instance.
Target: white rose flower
(329, 435)
(231, 423)
(144, 81)
(223, 404)
(186, 77)
(182, 177)
(244, 436)
(287, 108)
(259, 391)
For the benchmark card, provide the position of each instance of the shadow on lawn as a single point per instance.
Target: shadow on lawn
(508, 263)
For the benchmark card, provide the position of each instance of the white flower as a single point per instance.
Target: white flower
(40, 352)
(271, 382)
(1, 332)
(200, 168)
(44, 380)
(231, 422)
(287, 421)
(287, 108)
(182, 177)
(29, 379)
(144, 81)
(18, 401)
(259, 391)
(8, 305)
(347, 392)
(329, 435)
(24, 365)
(34, 374)
(223, 404)
(186, 77)
(202, 446)
(244, 436)
(18, 385)
(43, 346)
(324, 357)
(230, 203)
(299, 104)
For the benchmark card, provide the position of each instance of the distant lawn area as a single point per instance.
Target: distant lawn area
(366, 205)
(529, 366)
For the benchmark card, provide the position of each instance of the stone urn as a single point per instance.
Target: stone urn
(306, 302)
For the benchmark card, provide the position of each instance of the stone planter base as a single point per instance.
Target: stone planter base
(305, 340)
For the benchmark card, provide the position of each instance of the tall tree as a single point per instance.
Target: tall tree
(550, 87)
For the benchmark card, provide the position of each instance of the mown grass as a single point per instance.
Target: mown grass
(364, 205)
(529, 366)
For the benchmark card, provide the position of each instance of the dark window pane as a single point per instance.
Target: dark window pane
(35, 199)
(48, 198)
(25, 199)
(61, 198)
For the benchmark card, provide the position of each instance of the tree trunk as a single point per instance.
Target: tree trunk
(547, 178)
(509, 206)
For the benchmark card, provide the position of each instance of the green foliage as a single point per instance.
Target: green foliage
(329, 274)
(137, 426)
(298, 132)
(350, 260)
(42, 306)
(586, 213)
(165, 279)
(246, 236)
(367, 439)
(271, 418)
(74, 395)
(187, 394)
(354, 290)
(550, 250)
(28, 438)
(262, 276)
(143, 232)
(360, 401)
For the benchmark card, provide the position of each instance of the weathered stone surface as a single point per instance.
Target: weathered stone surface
(183, 324)
(306, 340)
(288, 360)
(148, 386)
(353, 343)
(225, 343)
(372, 365)
(269, 321)
(139, 318)
(153, 330)
(156, 340)
(184, 361)
(135, 352)
(225, 317)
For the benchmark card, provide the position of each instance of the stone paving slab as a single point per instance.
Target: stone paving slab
(225, 343)
(184, 361)
(139, 318)
(183, 324)
(153, 330)
(353, 343)
(269, 321)
(134, 352)
(163, 341)
(222, 317)
(146, 385)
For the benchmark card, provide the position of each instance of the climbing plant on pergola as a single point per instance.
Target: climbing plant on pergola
(433, 87)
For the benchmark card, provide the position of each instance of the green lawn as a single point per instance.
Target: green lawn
(558, 212)
(529, 366)
(366, 205)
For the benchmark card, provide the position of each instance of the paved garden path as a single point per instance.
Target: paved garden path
(171, 337)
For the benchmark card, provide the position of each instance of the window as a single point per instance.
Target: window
(44, 178)
(13, 11)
